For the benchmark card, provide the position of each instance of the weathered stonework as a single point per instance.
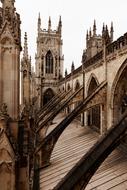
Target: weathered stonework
(103, 61)
(7, 154)
(49, 61)
(10, 57)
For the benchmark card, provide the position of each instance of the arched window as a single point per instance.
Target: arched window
(77, 86)
(42, 63)
(93, 114)
(92, 86)
(49, 63)
(68, 87)
(48, 95)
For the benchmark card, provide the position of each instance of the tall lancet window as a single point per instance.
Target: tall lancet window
(42, 63)
(49, 63)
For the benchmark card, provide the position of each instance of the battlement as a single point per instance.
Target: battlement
(45, 32)
(49, 30)
(119, 44)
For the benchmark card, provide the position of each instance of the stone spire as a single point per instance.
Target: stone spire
(39, 22)
(60, 25)
(49, 24)
(94, 28)
(25, 51)
(107, 33)
(111, 31)
(65, 72)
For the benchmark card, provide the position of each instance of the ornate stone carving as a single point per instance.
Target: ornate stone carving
(3, 109)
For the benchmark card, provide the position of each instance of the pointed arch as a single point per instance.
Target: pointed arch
(77, 85)
(49, 63)
(92, 84)
(42, 64)
(68, 86)
(48, 95)
(118, 92)
(94, 113)
(117, 77)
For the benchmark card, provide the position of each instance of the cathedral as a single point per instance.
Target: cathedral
(92, 97)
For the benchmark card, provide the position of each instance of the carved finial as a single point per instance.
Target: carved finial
(25, 52)
(103, 28)
(49, 24)
(111, 32)
(72, 66)
(105, 35)
(90, 33)
(39, 22)
(103, 32)
(87, 35)
(60, 25)
(94, 28)
(87, 38)
(106, 28)
(112, 27)
(3, 111)
(65, 72)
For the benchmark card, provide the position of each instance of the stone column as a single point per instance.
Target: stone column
(7, 155)
(103, 117)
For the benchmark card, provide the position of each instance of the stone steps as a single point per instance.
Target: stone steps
(71, 146)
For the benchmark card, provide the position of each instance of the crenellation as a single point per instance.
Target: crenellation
(120, 43)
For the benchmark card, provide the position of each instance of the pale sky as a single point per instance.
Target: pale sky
(77, 17)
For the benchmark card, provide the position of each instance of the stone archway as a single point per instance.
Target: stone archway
(93, 114)
(120, 95)
(48, 95)
(78, 97)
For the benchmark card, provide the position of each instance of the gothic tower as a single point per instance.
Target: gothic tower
(10, 48)
(49, 61)
(25, 75)
(95, 42)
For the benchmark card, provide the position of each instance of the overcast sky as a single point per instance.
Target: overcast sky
(77, 17)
